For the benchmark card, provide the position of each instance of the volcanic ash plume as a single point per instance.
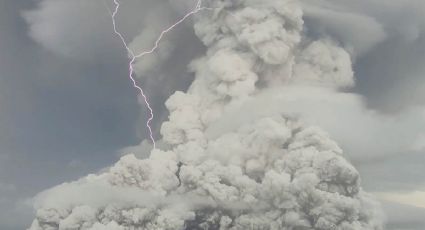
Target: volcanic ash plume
(269, 172)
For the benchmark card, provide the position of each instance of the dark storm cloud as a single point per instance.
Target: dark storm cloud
(52, 24)
(57, 114)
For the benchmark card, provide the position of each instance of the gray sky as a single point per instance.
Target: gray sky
(60, 118)
(66, 107)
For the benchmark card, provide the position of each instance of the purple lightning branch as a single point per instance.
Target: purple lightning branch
(134, 56)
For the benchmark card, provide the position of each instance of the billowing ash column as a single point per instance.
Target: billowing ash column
(268, 171)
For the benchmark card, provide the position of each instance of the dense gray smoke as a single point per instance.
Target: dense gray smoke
(270, 170)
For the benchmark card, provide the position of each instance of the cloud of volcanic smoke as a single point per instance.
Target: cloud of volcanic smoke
(220, 165)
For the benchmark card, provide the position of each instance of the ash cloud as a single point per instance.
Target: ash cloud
(274, 171)
(387, 39)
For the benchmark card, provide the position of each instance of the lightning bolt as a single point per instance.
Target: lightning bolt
(133, 56)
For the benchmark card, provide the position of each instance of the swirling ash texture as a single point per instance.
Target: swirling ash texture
(271, 172)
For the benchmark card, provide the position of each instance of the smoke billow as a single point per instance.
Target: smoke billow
(272, 171)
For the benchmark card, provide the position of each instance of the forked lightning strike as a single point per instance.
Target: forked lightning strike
(134, 56)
